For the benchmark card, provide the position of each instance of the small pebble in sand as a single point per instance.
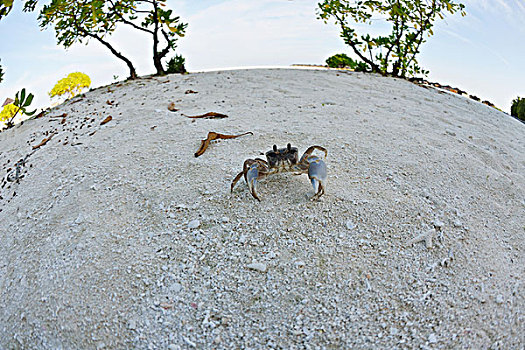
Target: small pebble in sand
(194, 224)
(350, 225)
(258, 267)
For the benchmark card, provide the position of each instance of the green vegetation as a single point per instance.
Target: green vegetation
(517, 110)
(71, 85)
(1, 73)
(176, 65)
(7, 5)
(10, 111)
(341, 60)
(82, 20)
(411, 21)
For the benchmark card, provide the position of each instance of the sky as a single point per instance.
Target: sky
(482, 53)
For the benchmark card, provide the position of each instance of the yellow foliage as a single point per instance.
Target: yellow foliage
(71, 85)
(8, 112)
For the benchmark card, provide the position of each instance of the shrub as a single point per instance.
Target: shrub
(11, 110)
(176, 65)
(341, 60)
(71, 85)
(517, 110)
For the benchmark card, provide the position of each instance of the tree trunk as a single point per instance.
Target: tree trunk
(132, 71)
(156, 57)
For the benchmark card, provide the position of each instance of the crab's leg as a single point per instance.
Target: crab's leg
(237, 178)
(317, 175)
(253, 170)
(309, 151)
(239, 175)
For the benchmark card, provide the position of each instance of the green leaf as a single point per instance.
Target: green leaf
(28, 100)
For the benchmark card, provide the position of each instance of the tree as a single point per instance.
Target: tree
(80, 21)
(71, 85)
(410, 21)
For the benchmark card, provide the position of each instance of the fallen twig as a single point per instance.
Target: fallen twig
(44, 141)
(214, 136)
(63, 115)
(209, 115)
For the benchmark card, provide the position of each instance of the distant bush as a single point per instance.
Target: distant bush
(176, 65)
(341, 60)
(517, 109)
(71, 85)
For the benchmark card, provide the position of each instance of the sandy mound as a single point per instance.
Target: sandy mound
(118, 237)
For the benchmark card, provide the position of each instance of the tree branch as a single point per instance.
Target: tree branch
(124, 20)
(375, 67)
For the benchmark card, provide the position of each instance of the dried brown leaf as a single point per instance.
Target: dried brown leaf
(190, 92)
(172, 107)
(214, 136)
(107, 120)
(209, 115)
(63, 115)
(40, 115)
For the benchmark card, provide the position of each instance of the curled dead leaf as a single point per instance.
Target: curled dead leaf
(214, 136)
(190, 92)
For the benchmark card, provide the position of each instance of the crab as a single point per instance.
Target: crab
(285, 160)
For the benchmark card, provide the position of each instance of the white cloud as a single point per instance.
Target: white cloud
(510, 12)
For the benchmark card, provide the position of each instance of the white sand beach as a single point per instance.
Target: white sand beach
(118, 237)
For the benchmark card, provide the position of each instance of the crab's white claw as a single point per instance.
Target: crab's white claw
(251, 180)
(317, 175)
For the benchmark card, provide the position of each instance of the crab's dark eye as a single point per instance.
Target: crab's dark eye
(289, 146)
(275, 148)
